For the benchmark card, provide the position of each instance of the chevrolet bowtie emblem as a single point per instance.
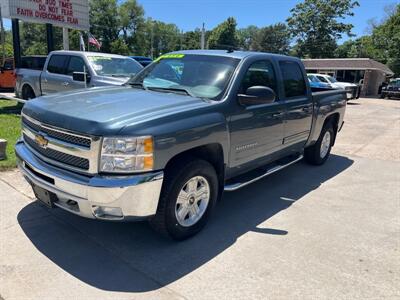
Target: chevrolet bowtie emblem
(41, 140)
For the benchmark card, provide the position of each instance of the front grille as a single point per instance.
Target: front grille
(73, 139)
(57, 156)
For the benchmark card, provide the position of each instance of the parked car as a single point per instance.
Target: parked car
(7, 72)
(316, 83)
(392, 89)
(350, 88)
(143, 60)
(67, 70)
(167, 144)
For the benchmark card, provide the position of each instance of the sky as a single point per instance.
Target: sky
(189, 14)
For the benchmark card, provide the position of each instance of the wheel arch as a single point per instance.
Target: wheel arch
(212, 153)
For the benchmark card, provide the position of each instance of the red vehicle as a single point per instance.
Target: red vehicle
(7, 74)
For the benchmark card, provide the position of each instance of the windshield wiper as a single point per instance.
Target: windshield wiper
(187, 92)
(138, 84)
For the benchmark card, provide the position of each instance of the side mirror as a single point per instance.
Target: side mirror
(256, 95)
(80, 76)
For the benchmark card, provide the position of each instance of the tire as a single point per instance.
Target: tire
(318, 153)
(28, 93)
(176, 183)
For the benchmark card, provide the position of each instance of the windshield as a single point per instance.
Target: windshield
(114, 66)
(331, 79)
(395, 83)
(203, 76)
(313, 78)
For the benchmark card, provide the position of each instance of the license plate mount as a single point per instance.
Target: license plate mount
(44, 196)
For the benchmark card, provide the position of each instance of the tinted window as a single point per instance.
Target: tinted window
(75, 65)
(323, 79)
(259, 73)
(34, 63)
(293, 79)
(57, 64)
(8, 65)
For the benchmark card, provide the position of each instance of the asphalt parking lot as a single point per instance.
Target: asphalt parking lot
(330, 232)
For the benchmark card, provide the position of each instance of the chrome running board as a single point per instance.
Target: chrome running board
(237, 185)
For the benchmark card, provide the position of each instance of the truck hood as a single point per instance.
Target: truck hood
(106, 80)
(107, 110)
(343, 84)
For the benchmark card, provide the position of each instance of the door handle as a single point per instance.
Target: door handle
(65, 83)
(307, 109)
(277, 114)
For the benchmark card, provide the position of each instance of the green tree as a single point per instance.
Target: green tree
(273, 38)
(191, 39)
(132, 21)
(34, 38)
(316, 25)
(224, 35)
(246, 36)
(386, 41)
(104, 22)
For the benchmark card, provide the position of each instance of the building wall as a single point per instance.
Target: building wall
(372, 80)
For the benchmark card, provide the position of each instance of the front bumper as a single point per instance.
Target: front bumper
(135, 196)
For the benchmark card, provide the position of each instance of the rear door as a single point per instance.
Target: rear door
(298, 102)
(55, 79)
(256, 130)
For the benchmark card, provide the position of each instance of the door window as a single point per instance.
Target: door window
(57, 64)
(293, 79)
(8, 65)
(323, 79)
(260, 73)
(75, 65)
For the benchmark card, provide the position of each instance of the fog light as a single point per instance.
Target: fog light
(104, 212)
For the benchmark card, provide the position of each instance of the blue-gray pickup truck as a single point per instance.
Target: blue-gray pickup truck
(165, 146)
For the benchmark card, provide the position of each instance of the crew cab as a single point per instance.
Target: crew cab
(70, 70)
(166, 145)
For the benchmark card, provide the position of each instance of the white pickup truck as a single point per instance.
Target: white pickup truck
(68, 70)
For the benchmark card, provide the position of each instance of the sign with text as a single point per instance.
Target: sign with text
(72, 14)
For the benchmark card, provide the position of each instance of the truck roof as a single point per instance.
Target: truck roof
(226, 53)
(84, 53)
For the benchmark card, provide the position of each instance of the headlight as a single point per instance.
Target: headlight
(126, 154)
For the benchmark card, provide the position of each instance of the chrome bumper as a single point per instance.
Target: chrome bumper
(134, 197)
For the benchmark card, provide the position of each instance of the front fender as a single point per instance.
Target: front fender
(177, 135)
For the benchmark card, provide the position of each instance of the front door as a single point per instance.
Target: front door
(299, 106)
(75, 64)
(257, 130)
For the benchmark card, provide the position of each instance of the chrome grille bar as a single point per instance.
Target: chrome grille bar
(64, 149)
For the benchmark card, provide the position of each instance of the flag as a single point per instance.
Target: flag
(93, 41)
(81, 43)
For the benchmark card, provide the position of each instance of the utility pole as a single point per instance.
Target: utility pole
(65, 38)
(50, 37)
(16, 42)
(203, 38)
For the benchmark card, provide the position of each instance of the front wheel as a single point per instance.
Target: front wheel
(188, 196)
(318, 153)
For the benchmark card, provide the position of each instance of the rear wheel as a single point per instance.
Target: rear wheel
(27, 93)
(318, 153)
(188, 196)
